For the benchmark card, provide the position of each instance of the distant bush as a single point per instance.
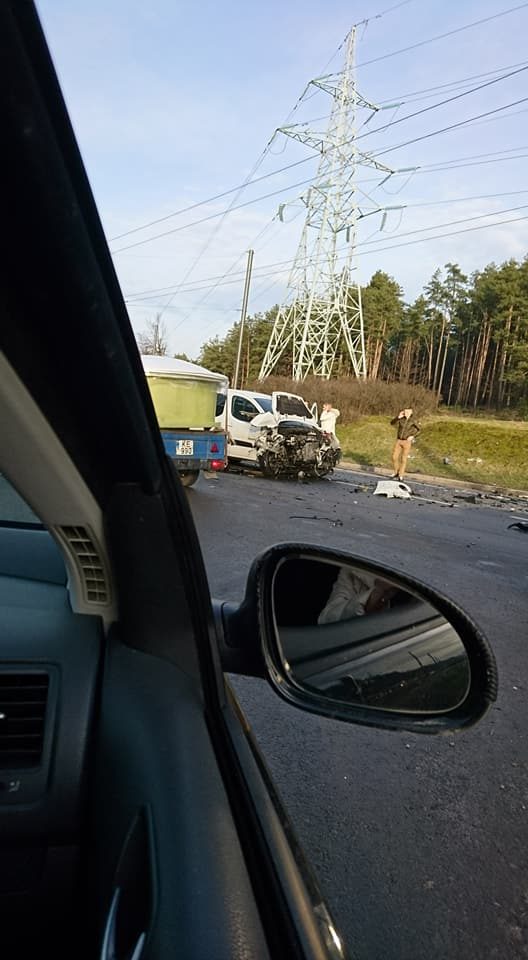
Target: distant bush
(355, 398)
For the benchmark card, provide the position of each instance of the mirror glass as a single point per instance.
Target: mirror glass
(362, 638)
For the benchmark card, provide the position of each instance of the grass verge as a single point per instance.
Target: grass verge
(481, 451)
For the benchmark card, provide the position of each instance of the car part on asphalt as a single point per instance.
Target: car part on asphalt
(393, 488)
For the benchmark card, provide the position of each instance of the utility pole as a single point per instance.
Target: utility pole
(323, 308)
(243, 313)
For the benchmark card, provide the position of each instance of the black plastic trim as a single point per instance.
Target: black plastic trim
(301, 927)
(238, 635)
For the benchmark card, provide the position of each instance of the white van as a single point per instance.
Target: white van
(277, 432)
(236, 413)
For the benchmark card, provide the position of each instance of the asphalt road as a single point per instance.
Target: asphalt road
(419, 843)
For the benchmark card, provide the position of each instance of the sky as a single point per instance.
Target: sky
(174, 102)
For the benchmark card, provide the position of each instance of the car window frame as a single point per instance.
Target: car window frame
(247, 401)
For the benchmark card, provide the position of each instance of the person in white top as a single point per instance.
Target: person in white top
(329, 415)
(354, 594)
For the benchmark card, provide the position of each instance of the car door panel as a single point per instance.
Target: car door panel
(155, 760)
(241, 444)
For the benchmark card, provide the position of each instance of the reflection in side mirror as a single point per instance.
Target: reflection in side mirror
(358, 637)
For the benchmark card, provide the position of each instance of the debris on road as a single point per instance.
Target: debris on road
(442, 496)
(333, 520)
(393, 488)
(521, 525)
(354, 487)
(440, 503)
(467, 497)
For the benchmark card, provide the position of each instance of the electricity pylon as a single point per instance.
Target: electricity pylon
(323, 301)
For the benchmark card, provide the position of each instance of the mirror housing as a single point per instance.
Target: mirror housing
(250, 645)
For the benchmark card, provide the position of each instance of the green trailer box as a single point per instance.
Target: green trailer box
(184, 394)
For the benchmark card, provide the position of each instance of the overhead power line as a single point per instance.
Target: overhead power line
(441, 103)
(475, 160)
(226, 274)
(250, 181)
(188, 288)
(427, 93)
(362, 245)
(452, 83)
(460, 166)
(451, 223)
(452, 126)
(443, 36)
(250, 176)
(375, 16)
(214, 216)
(274, 193)
(442, 236)
(425, 169)
(409, 243)
(202, 203)
(434, 106)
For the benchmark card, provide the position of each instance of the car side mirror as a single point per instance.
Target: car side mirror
(357, 641)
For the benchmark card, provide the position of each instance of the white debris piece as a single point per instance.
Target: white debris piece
(393, 488)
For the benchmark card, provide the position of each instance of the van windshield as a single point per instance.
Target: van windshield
(291, 406)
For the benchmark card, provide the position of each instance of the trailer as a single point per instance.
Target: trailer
(185, 400)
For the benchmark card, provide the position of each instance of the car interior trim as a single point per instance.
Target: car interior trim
(51, 484)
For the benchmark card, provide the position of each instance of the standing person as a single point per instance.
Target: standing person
(408, 429)
(328, 419)
(354, 594)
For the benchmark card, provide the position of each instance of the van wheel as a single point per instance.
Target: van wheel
(189, 478)
(269, 465)
(321, 471)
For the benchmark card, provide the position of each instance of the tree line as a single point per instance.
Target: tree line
(464, 338)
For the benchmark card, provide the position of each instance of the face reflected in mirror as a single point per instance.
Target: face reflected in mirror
(356, 636)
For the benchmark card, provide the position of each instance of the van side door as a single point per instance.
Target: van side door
(242, 410)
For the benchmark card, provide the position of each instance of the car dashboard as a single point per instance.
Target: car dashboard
(49, 667)
(114, 840)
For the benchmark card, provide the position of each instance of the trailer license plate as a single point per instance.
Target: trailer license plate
(185, 448)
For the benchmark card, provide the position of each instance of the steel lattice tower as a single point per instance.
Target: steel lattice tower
(323, 300)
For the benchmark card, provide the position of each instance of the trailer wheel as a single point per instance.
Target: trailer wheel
(189, 477)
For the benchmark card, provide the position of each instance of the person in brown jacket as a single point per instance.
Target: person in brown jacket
(407, 430)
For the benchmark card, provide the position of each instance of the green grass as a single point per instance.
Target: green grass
(501, 445)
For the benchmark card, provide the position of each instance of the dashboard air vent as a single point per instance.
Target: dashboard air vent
(89, 562)
(23, 699)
